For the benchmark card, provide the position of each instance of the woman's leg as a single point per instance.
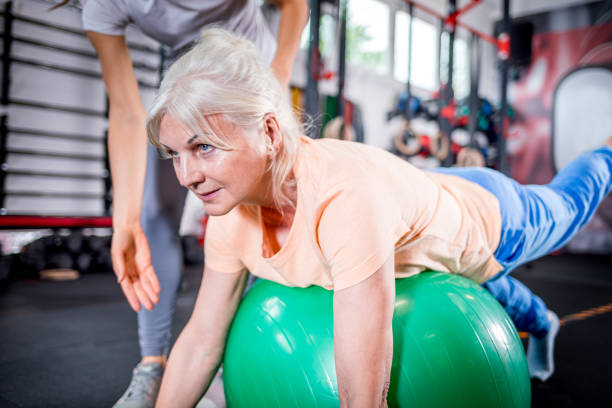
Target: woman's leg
(527, 311)
(529, 314)
(552, 214)
(535, 221)
(539, 219)
(569, 201)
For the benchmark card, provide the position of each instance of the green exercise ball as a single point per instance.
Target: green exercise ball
(454, 346)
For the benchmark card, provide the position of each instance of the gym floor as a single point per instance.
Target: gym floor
(73, 344)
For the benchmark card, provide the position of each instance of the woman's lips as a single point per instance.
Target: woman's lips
(209, 196)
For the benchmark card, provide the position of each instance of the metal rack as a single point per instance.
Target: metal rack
(31, 174)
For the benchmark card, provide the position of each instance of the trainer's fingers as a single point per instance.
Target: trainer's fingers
(150, 277)
(130, 294)
(118, 266)
(143, 296)
(132, 271)
(149, 288)
(145, 265)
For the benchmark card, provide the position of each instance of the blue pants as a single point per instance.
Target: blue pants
(163, 199)
(537, 220)
(162, 206)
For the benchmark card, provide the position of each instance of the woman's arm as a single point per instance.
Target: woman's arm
(363, 339)
(197, 353)
(127, 147)
(294, 15)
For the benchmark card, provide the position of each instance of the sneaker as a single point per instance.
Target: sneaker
(143, 389)
(540, 353)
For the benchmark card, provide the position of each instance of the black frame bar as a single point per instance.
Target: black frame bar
(474, 100)
(84, 157)
(504, 66)
(59, 135)
(34, 21)
(35, 173)
(4, 91)
(75, 71)
(314, 68)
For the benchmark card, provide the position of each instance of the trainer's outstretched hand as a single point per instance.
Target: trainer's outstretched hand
(132, 264)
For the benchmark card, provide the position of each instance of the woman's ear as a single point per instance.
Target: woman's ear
(272, 131)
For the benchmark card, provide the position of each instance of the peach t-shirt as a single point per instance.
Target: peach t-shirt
(356, 206)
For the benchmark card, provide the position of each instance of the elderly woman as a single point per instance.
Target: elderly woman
(342, 215)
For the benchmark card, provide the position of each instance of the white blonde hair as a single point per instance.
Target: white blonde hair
(223, 74)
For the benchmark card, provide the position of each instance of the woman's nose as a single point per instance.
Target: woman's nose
(190, 172)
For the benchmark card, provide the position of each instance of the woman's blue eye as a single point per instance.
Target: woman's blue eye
(204, 148)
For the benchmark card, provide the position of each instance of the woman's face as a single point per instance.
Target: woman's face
(222, 179)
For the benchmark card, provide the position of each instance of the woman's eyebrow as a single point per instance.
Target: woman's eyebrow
(189, 141)
(192, 138)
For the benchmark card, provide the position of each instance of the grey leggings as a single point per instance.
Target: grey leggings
(162, 205)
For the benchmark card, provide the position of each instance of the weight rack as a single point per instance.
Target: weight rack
(18, 218)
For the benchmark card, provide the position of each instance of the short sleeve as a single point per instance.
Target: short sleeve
(357, 232)
(219, 253)
(105, 17)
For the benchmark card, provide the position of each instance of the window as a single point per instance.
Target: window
(304, 41)
(424, 52)
(368, 35)
(327, 35)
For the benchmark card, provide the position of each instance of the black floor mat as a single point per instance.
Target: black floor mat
(74, 344)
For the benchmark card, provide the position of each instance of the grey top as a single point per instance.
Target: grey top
(177, 23)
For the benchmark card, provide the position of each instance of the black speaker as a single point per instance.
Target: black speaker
(521, 35)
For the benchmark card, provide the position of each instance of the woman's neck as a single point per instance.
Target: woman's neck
(275, 218)
(289, 192)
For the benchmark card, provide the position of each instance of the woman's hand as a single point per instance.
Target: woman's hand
(363, 339)
(131, 259)
(198, 351)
